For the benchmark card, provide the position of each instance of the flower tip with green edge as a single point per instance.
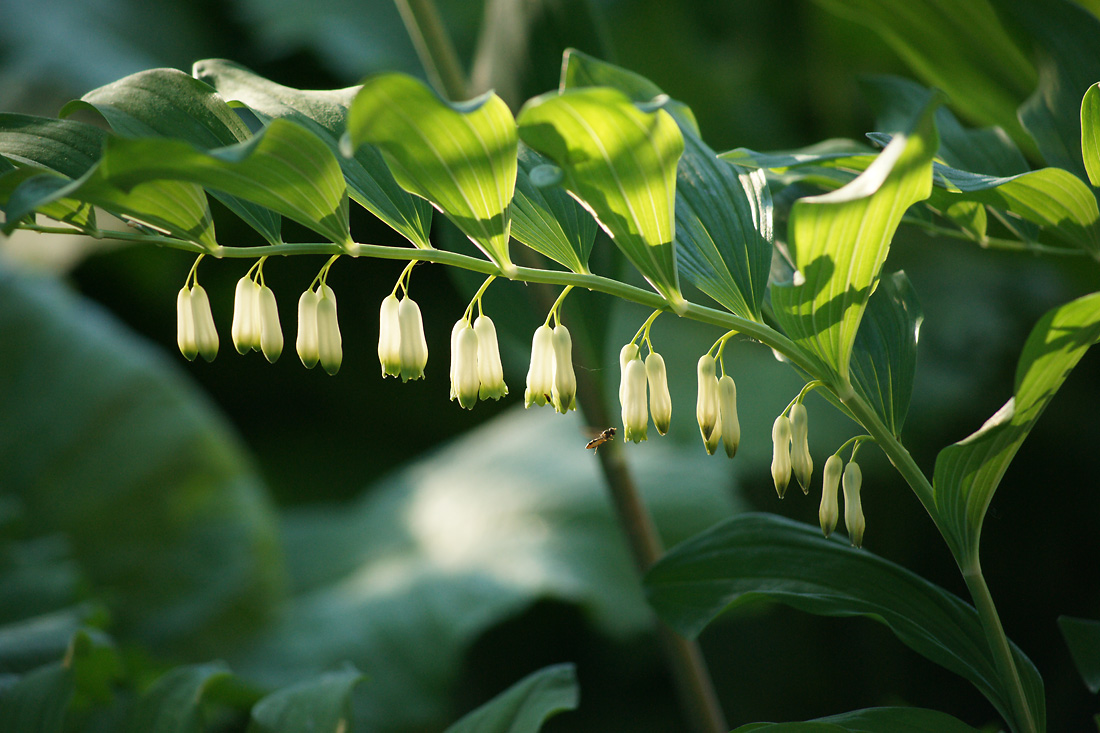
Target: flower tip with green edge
(802, 464)
(540, 376)
(829, 511)
(707, 408)
(246, 315)
(271, 331)
(329, 342)
(854, 520)
(781, 454)
(635, 414)
(414, 346)
(465, 381)
(563, 394)
(389, 337)
(185, 325)
(729, 424)
(489, 368)
(660, 400)
(307, 343)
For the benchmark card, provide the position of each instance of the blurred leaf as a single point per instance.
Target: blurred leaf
(173, 704)
(79, 214)
(284, 167)
(547, 219)
(841, 239)
(1090, 133)
(884, 355)
(324, 113)
(1082, 636)
(100, 432)
(621, 162)
(871, 720)
(321, 705)
(968, 472)
(756, 557)
(526, 705)
(459, 156)
(169, 103)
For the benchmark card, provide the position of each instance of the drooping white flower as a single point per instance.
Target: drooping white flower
(802, 464)
(707, 409)
(246, 316)
(729, 425)
(626, 354)
(414, 347)
(465, 381)
(329, 343)
(206, 334)
(271, 331)
(829, 511)
(489, 368)
(564, 392)
(853, 506)
(660, 401)
(781, 454)
(540, 377)
(635, 413)
(307, 343)
(389, 336)
(185, 325)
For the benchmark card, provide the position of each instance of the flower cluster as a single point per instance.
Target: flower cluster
(716, 408)
(476, 369)
(551, 377)
(637, 378)
(402, 348)
(256, 318)
(195, 331)
(319, 329)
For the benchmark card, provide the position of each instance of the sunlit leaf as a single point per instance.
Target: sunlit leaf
(756, 557)
(174, 703)
(320, 705)
(1090, 133)
(871, 720)
(840, 240)
(526, 705)
(621, 162)
(1082, 636)
(459, 156)
(968, 472)
(324, 113)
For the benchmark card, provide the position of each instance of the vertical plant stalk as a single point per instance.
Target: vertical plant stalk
(433, 46)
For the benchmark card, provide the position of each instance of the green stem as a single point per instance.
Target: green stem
(434, 47)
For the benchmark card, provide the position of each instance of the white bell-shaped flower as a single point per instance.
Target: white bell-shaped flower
(540, 377)
(564, 393)
(626, 355)
(853, 506)
(489, 368)
(802, 464)
(307, 343)
(729, 425)
(329, 343)
(206, 334)
(185, 325)
(829, 511)
(246, 316)
(271, 331)
(414, 347)
(635, 413)
(707, 409)
(660, 401)
(781, 454)
(389, 337)
(465, 381)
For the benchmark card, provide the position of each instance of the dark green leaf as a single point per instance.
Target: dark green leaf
(64, 146)
(871, 720)
(968, 472)
(526, 705)
(461, 157)
(321, 705)
(1090, 133)
(80, 214)
(754, 557)
(324, 113)
(173, 704)
(1082, 636)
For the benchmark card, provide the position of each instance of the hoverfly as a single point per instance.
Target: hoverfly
(600, 439)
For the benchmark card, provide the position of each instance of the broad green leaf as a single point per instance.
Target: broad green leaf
(871, 720)
(173, 704)
(285, 167)
(1082, 636)
(959, 48)
(459, 156)
(1090, 133)
(320, 705)
(884, 356)
(169, 103)
(65, 146)
(968, 472)
(841, 239)
(526, 705)
(621, 162)
(547, 219)
(324, 113)
(755, 557)
(110, 435)
(79, 214)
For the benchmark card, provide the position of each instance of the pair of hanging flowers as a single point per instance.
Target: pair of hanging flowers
(639, 378)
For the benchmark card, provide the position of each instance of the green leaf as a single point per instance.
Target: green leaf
(884, 355)
(526, 705)
(79, 214)
(321, 705)
(841, 240)
(755, 557)
(285, 167)
(1090, 133)
(173, 704)
(621, 162)
(65, 146)
(1082, 636)
(169, 103)
(324, 113)
(459, 156)
(968, 472)
(547, 219)
(871, 720)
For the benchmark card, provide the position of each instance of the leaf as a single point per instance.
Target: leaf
(841, 239)
(324, 113)
(547, 219)
(884, 355)
(755, 557)
(968, 472)
(459, 156)
(526, 705)
(1082, 636)
(121, 440)
(79, 214)
(1090, 133)
(871, 720)
(321, 705)
(621, 163)
(169, 103)
(65, 146)
(173, 704)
